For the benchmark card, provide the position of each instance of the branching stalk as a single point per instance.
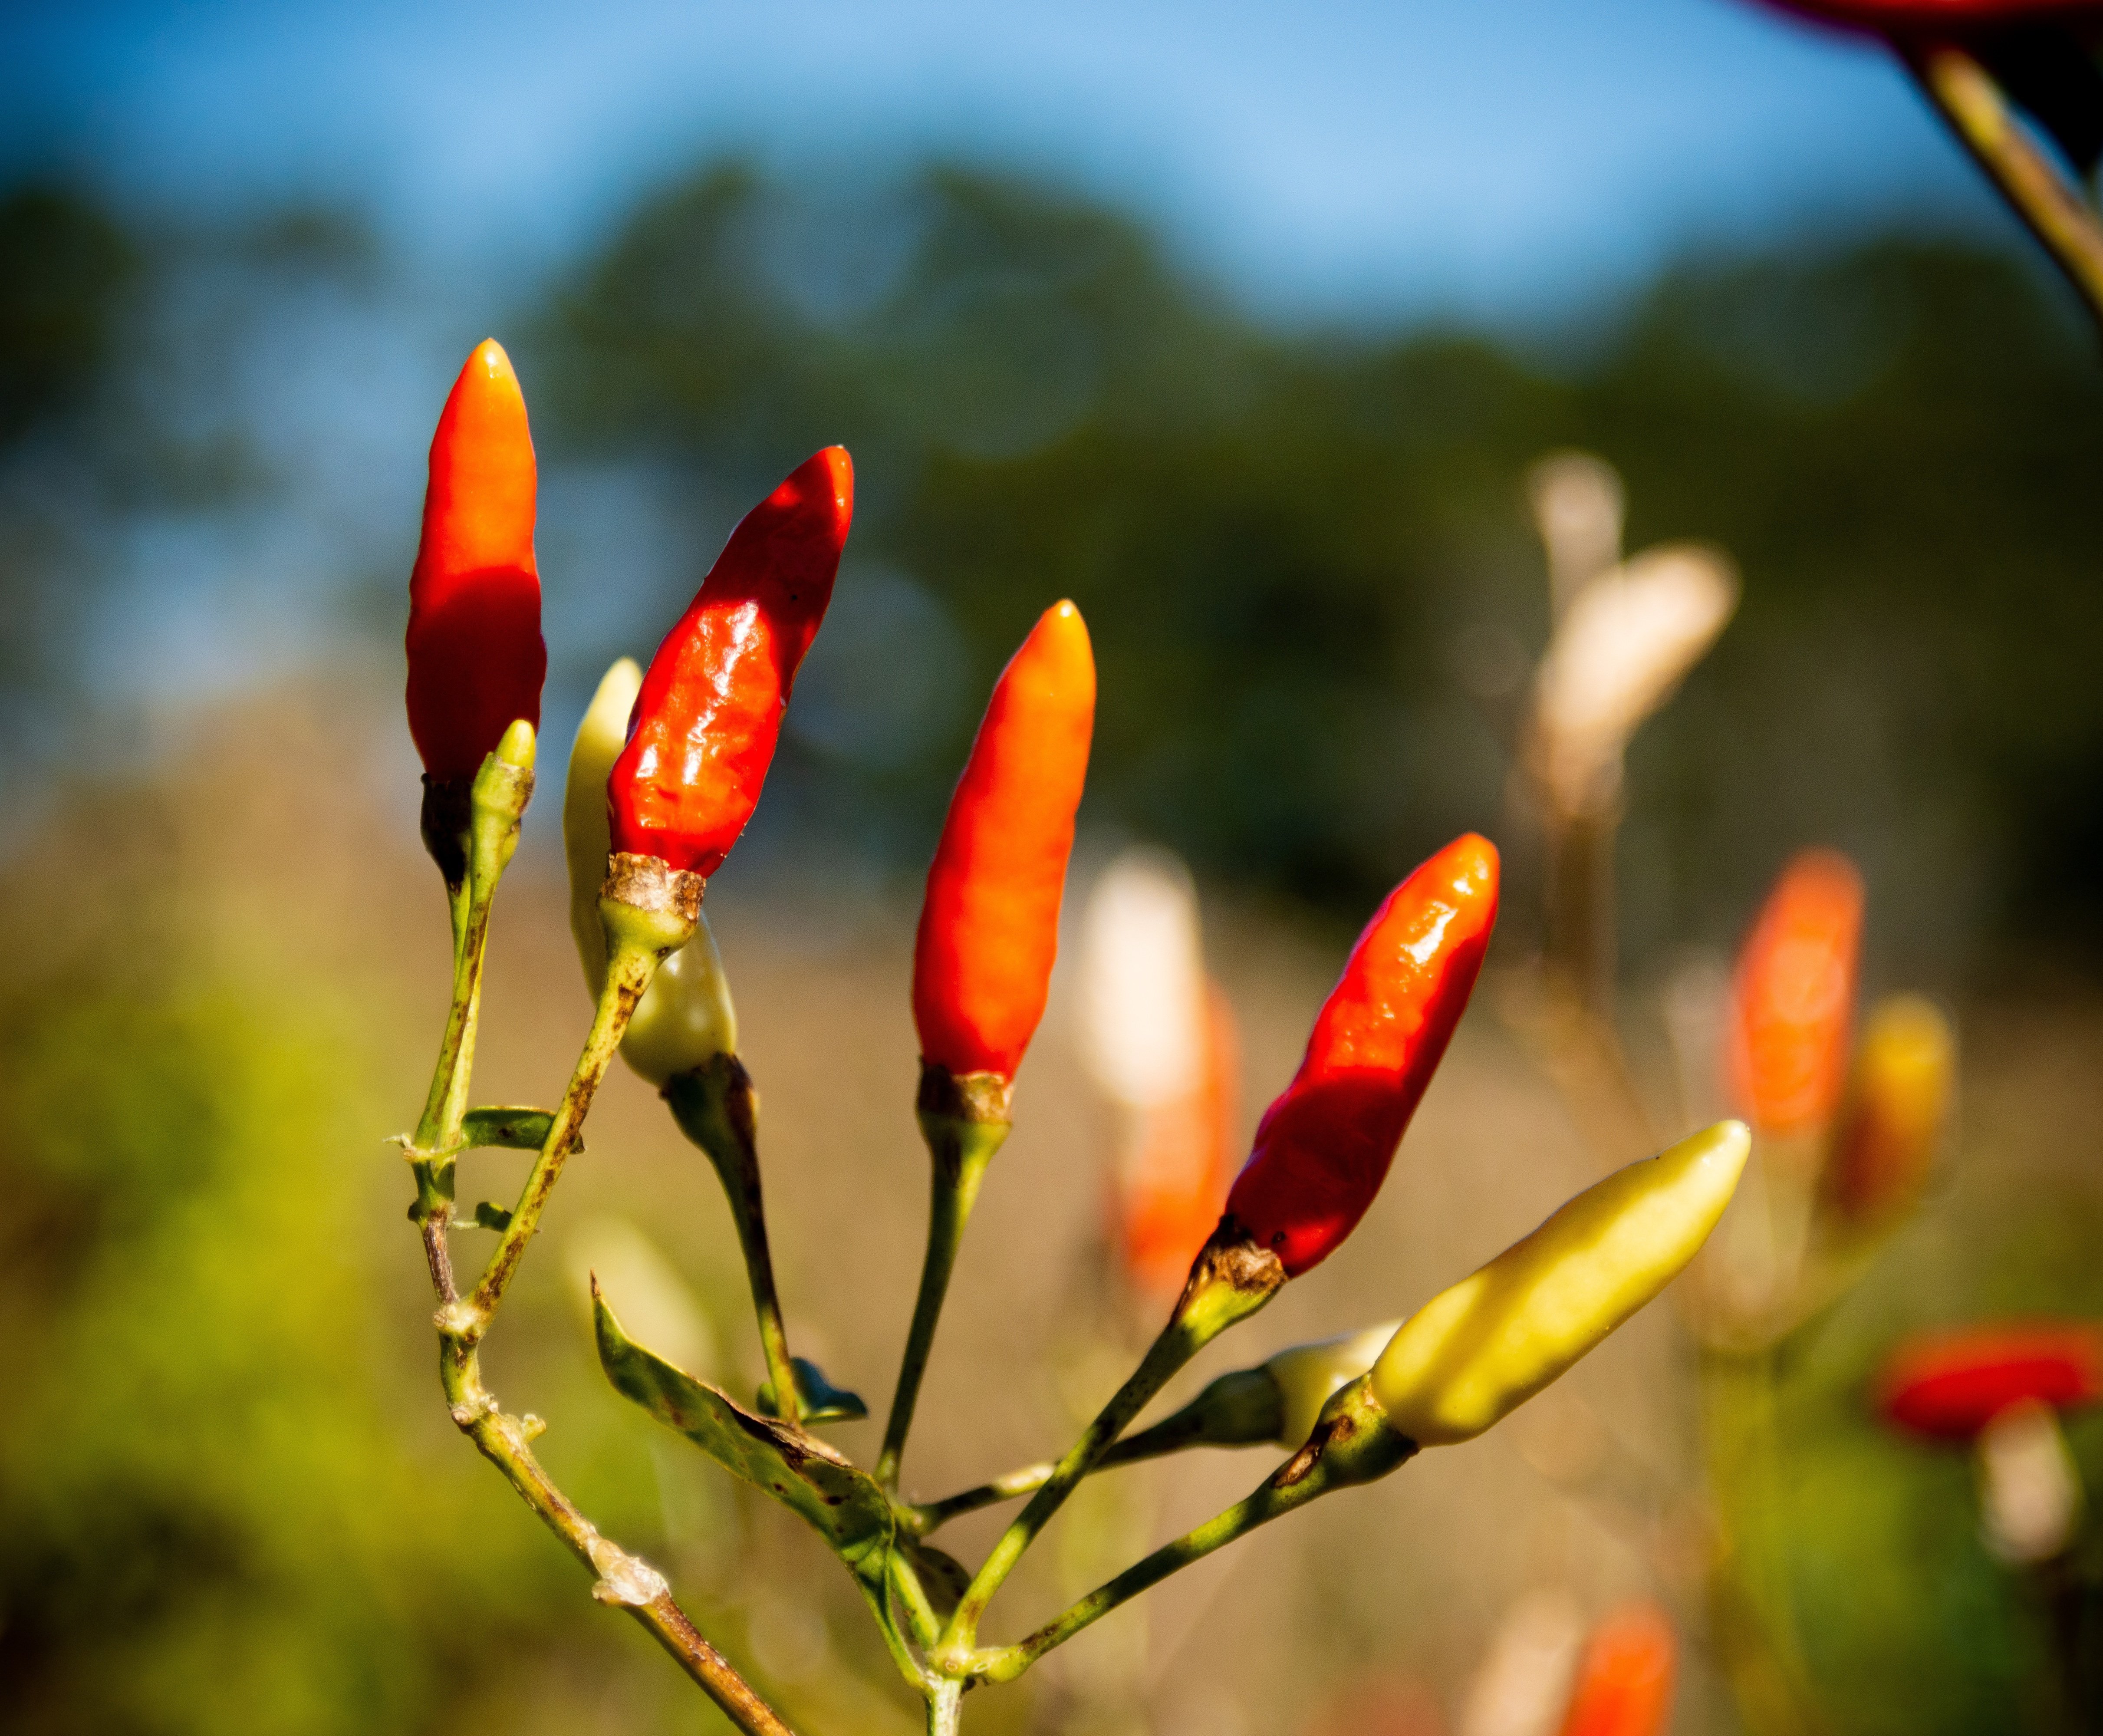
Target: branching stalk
(1172, 1435)
(1353, 1444)
(1229, 1280)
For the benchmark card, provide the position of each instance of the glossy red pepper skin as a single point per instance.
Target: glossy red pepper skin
(1324, 1147)
(1625, 1681)
(1951, 1385)
(710, 713)
(476, 657)
(989, 926)
(1793, 997)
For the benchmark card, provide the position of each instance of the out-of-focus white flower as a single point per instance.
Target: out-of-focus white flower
(1625, 641)
(1142, 981)
(1525, 1678)
(2030, 1494)
(654, 1301)
(1578, 503)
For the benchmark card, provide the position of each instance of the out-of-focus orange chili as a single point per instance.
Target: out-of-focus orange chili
(1324, 1147)
(1625, 1680)
(990, 927)
(710, 713)
(1170, 1193)
(1792, 998)
(1950, 1385)
(476, 656)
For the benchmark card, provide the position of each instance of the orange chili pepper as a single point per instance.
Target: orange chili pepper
(1169, 1197)
(989, 928)
(710, 713)
(1951, 1385)
(1793, 999)
(1625, 1682)
(1323, 1148)
(476, 656)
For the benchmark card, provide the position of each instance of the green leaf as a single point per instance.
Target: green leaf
(942, 1576)
(844, 1505)
(490, 1216)
(818, 1398)
(517, 1129)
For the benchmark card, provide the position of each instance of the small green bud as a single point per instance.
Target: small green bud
(497, 800)
(1473, 1355)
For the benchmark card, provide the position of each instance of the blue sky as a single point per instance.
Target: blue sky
(1502, 159)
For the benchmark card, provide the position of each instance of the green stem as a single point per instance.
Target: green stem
(1353, 1444)
(716, 1109)
(628, 975)
(1172, 1435)
(962, 1137)
(945, 1709)
(1229, 1280)
(623, 1580)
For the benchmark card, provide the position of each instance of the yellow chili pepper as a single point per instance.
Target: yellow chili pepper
(1473, 1355)
(686, 1017)
(1896, 1107)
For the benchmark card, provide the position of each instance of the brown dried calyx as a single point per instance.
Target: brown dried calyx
(984, 1098)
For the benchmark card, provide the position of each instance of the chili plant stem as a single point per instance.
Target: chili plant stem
(625, 1580)
(1229, 1280)
(1172, 1435)
(945, 1709)
(1352, 1445)
(628, 975)
(1969, 100)
(960, 1149)
(716, 1109)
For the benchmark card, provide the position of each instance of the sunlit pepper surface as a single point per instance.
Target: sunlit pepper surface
(476, 657)
(710, 713)
(1324, 1146)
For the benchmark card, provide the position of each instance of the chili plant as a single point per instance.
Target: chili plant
(668, 768)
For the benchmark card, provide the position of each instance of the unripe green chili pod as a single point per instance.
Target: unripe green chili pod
(686, 1018)
(1473, 1355)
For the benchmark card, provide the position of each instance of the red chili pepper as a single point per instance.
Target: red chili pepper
(476, 656)
(989, 928)
(1951, 1385)
(1793, 1000)
(1625, 1682)
(1323, 1148)
(1168, 1197)
(710, 713)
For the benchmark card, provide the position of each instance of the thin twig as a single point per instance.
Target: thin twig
(1968, 98)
